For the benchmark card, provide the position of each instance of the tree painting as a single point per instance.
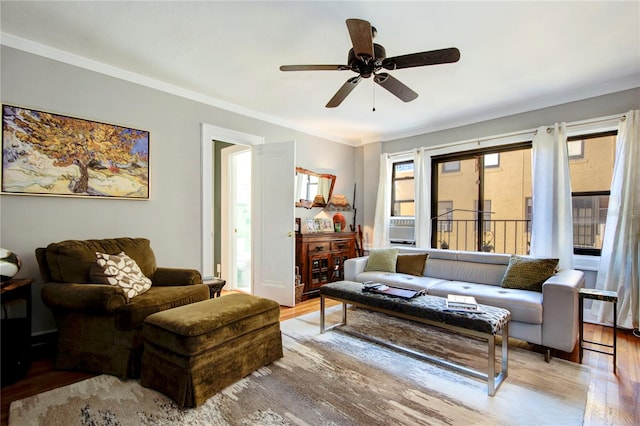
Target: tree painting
(44, 153)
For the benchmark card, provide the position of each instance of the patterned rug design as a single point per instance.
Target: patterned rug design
(336, 379)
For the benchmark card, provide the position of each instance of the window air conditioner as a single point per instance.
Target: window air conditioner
(401, 230)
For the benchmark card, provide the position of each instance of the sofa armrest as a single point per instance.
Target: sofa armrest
(96, 298)
(355, 266)
(176, 276)
(560, 309)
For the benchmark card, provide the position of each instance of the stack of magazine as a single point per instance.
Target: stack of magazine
(459, 303)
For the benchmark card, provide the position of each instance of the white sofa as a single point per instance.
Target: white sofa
(549, 318)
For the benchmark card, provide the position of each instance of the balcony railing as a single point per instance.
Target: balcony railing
(511, 236)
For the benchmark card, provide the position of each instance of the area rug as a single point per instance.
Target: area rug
(337, 379)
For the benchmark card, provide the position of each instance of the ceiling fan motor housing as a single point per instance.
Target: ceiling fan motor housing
(366, 66)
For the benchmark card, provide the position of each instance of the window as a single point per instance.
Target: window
(591, 186)
(575, 149)
(489, 213)
(486, 216)
(492, 160)
(445, 216)
(451, 166)
(402, 189)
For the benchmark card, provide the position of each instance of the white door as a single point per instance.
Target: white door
(273, 199)
(236, 217)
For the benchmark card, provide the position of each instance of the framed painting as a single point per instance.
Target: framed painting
(51, 154)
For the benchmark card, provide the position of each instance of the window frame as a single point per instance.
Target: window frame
(585, 251)
(478, 154)
(394, 179)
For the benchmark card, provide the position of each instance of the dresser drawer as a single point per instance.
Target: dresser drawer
(339, 245)
(319, 246)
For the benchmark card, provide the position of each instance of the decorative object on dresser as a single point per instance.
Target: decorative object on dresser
(339, 203)
(313, 189)
(320, 258)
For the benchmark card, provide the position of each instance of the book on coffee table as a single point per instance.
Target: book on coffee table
(456, 302)
(380, 288)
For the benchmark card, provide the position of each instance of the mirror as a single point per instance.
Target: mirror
(313, 189)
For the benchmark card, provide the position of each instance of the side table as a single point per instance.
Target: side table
(15, 328)
(605, 296)
(215, 286)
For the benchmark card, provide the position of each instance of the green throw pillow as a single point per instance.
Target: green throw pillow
(527, 273)
(412, 264)
(382, 260)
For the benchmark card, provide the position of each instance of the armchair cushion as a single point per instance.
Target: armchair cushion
(70, 261)
(119, 270)
(132, 315)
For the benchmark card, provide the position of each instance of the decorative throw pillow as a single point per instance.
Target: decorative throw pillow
(382, 260)
(527, 273)
(120, 270)
(412, 264)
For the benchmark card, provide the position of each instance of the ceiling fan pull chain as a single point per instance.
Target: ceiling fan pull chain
(374, 97)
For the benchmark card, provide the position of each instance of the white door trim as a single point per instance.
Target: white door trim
(210, 133)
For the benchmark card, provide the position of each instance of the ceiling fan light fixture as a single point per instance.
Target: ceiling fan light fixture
(366, 58)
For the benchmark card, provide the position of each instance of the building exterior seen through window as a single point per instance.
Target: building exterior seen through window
(500, 181)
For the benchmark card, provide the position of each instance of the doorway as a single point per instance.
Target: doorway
(211, 211)
(236, 217)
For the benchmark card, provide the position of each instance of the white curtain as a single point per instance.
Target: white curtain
(383, 205)
(552, 228)
(422, 180)
(620, 258)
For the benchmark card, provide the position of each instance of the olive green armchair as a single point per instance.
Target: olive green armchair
(99, 327)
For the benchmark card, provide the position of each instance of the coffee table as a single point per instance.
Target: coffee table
(429, 310)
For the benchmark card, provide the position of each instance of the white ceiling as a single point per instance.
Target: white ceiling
(515, 56)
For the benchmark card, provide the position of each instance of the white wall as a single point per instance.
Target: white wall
(171, 219)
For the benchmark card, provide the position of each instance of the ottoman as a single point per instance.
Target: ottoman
(194, 351)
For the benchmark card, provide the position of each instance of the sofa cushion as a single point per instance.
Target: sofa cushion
(119, 270)
(525, 306)
(527, 273)
(475, 272)
(412, 264)
(383, 260)
(398, 280)
(70, 261)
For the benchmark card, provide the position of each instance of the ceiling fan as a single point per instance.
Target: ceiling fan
(367, 58)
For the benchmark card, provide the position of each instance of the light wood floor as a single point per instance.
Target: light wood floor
(612, 399)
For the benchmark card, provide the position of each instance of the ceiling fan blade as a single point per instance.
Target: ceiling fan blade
(361, 37)
(343, 92)
(432, 57)
(396, 87)
(314, 68)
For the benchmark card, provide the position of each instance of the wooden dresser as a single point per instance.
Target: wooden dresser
(320, 258)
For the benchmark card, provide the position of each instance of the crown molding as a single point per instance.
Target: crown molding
(621, 84)
(625, 83)
(65, 57)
